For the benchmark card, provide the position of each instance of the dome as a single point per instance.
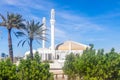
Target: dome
(28, 52)
(71, 45)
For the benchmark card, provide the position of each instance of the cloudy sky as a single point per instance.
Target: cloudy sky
(84, 21)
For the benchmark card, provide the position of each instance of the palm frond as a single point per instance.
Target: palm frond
(28, 42)
(40, 38)
(15, 34)
(14, 20)
(24, 42)
(8, 16)
(40, 25)
(37, 23)
(19, 34)
(33, 30)
(3, 18)
(22, 26)
(2, 24)
(19, 42)
(38, 41)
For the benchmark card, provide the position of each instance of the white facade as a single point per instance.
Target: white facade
(53, 53)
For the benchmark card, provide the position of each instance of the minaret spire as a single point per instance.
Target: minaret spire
(52, 22)
(44, 32)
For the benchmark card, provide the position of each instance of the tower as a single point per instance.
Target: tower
(44, 32)
(52, 22)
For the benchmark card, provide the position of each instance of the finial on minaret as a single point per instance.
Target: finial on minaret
(44, 32)
(52, 14)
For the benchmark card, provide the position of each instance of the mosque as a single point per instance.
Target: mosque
(59, 51)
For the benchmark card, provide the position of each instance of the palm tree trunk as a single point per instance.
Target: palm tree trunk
(31, 49)
(10, 45)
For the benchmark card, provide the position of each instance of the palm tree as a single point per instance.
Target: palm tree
(32, 31)
(11, 21)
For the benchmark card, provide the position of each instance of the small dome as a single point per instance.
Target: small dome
(71, 45)
(28, 52)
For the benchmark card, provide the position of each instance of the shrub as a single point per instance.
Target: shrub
(27, 70)
(92, 65)
(8, 70)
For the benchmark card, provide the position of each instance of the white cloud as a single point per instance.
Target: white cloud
(86, 27)
(36, 4)
(60, 34)
(94, 39)
(108, 15)
(78, 22)
(66, 22)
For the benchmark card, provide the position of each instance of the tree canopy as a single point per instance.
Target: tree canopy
(31, 31)
(93, 65)
(26, 70)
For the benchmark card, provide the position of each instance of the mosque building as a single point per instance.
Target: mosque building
(59, 51)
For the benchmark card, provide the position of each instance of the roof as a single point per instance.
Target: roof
(71, 45)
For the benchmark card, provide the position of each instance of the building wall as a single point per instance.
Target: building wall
(59, 54)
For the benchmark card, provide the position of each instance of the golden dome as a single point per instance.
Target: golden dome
(71, 45)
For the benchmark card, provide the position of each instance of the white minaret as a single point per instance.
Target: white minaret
(52, 22)
(44, 32)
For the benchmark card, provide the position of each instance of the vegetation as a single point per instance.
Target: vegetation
(27, 70)
(8, 70)
(11, 21)
(92, 65)
(48, 61)
(31, 31)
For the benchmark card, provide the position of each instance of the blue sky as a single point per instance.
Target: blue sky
(84, 21)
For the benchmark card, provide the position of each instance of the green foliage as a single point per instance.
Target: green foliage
(12, 20)
(8, 70)
(34, 69)
(30, 32)
(48, 61)
(92, 65)
(27, 70)
(69, 67)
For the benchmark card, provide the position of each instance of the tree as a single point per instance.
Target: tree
(8, 70)
(34, 69)
(93, 65)
(69, 67)
(27, 69)
(11, 21)
(31, 31)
